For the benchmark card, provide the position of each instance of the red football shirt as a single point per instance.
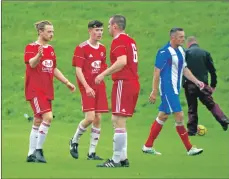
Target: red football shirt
(39, 80)
(125, 45)
(91, 59)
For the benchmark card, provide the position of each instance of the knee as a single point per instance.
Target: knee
(97, 120)
(179, 117)
(48, 119)
(98, 117)
(90, 117)
(162, 117)
(118, 121)
(37, 121)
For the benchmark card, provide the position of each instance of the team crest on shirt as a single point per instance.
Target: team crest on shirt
(52, 53)
(101, 54)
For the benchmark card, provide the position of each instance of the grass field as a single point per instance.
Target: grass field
(148, 23)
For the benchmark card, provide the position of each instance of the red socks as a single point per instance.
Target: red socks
(184, 136)
(154, 131)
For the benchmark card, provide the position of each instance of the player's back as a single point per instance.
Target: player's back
(125, 45)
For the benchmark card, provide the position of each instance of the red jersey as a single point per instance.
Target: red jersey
(91, 59)
(39, 80)
(125, 45)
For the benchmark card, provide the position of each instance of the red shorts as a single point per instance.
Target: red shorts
(98, 104)
(40, 105)
(124, 97)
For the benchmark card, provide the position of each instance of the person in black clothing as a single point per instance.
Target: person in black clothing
(200, 63)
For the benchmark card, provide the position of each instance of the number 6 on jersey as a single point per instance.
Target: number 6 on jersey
(135, 53)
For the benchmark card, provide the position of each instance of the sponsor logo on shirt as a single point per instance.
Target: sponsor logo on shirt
(96, 65)
(47, 66)
(47, 63)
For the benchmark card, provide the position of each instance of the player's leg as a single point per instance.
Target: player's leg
(119, 140)
(88, 107)
(179, 118)
(42, 109)
(119, 115)
(94, 139)
(191, 94)
(101, 106)
(33, 139)
(154, 132)
(42, 134)
(82, 127)
(207, 99)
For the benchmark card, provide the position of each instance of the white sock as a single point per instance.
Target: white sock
(124, 151)
(43, 131)
(95, 133)
(79, 131)
(118, 143)
(33, 139)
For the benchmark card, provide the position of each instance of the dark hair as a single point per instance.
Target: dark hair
(175, 29)
(119, 20)
(95, 24)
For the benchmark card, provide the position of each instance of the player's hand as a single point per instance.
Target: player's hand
(90, 91)
(153, 96)
(213, 89)
(99, 79)
(71, 86)
(40, 51)
(200, 84)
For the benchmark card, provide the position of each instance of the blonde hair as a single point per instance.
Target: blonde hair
(41, 25)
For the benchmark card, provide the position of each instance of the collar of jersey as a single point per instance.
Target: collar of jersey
(119, 35)
(44, 46)
(92, 45)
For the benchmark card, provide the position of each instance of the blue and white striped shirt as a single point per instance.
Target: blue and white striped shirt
(171, 62)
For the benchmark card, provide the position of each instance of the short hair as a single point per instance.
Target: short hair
(175, 29)
(41, 24)
(95, 24)
(191, 39)
(119, 20)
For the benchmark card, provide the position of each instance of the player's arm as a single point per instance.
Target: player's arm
(33, 62)
(78, 62)
(81, 77)
(188, 74)
(117, 66)
(161, 60)
(156, 78)
(59, 75)
(31, 56)
(212, 70)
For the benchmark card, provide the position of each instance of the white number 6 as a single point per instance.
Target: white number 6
(135, 53)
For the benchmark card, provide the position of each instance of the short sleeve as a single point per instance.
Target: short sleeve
(29, 53)
(104, 64)
(119, 50)
(78, 58)
(161, 59)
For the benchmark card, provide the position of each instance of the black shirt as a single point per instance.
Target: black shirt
(200, 63)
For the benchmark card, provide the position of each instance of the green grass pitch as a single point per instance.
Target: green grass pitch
(148, 23)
